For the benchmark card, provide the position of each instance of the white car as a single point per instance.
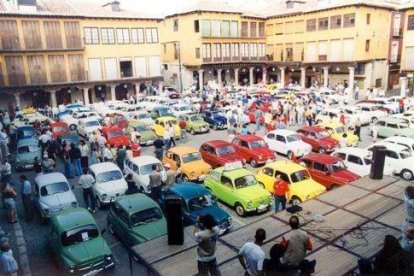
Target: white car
(181, 109)
(358, 160)
(287, 142)
(388, 103)
(140, 168)
(398, 158)
(372, 111)
(403, 141)
(72, 120)
(52, 193)
(352, 113)
(109, 183)
(328, 115)
(87, 126)
(143, 117)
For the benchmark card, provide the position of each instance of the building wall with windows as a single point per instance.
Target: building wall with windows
(407, 56)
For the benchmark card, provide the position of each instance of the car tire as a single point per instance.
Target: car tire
(374, 120)
(192, 131)
(73, 127)
(295, 200)
(407, 174)
(262, 185)
(240, 210)
(99, 203)
(253, 163)
(334, 186)
(322, 150)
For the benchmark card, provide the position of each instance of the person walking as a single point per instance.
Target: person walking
(206, 233)
(343, 143)
(155, 182)
(251, 255)
(37, 166)
(75, 159)
(358, 128)
(85, 152)
(183, 132)
(26, 198)
(86, 181)
(258, 115)
(120, 157)
(9, 195)
(48, 165)
(8, 264)
(5, 170)
(374, 131)
(171, 130)
(94, 157)
(280, 188)
(159, 148)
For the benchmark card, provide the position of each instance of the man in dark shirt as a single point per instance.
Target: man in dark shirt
(159, 148)
(132, 187)
(75, 159)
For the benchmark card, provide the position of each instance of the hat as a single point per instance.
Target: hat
(167, 165)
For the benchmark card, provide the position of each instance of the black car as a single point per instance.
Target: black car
(215, 118)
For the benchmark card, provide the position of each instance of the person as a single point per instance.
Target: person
(75, 156)
(307, 268)
(342, 118)
(258, 115)
(166, 137)
(251, 255)
(206, 232)
(37, 166)
(101, 141)
(183, 132)
(94, 155)
(26, 198)
(407, 226)
(280, 188)
(155, 182)
(358, 128)
(374, 129)
(86, 181)
(267, 120)
(85, 151)
(107, 154)
(343, 143)
(391, 259)
(401, 105)
(171, 175)
(171, 134)
(274, 264)
(128, 153)
(4, 143)
(132, 187)
(159, 148)
(44, 138)
(9, 195)
(48, 165)
(120, 157)
(296, 243)
(244, 130)
(6, 171)
(8, 263)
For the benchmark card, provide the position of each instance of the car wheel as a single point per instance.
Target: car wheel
(215, 127)
(334, 186)
(262, 185)
(240, 210)
(407, 174)
(321, 150)
(192, 131)
(72, 127)
(374, 120)
(253, 163)
(99, 203)
(289, 155)
(110, 227)
(295, 200)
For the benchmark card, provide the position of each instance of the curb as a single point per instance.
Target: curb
(21, 246)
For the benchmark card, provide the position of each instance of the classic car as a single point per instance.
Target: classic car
(253, 149)
(147, 135)
(352, 113)
(318, 138)
(394, 126)
(77, 244)
(287, 142)
(336, 130)
(198, 201)
(25, 132)
(195, 123)
(238, 188)
(171, 92)
(328, 170)
(116, 137)
(143, 117)
(215, 118)
(403, 141)
(87, 126)
(26, 151)
(116, 119)
(109, 183)
(162, 122)
(136, 219)
(301, 185)
(59, 128)
(189, 161)
(217, 153)
(140, 168)
(52, 193)
(71, 138)
(374, 112)
(181, 109)
(160, 111)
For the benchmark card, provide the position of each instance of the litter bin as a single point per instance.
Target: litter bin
(378, 160)
(175, 223)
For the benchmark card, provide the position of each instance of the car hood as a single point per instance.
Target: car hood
(254, 192)
(152, 230)
(220, 119)
(29, 156)
(231, 157)
(119, 140)
(265, 152)
(58, 200)
(87, 251)
(199, 124)
(328, 141)
(112, 187)
(199, 165)
(346, 175)
(147, 135)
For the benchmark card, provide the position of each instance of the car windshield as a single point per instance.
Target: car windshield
(165, 112)
(368, 160)
(147, 169)
(80, 234)
(338, 166)
(292, 138)
(196, 118)
(92, 123)
(257, 144)
(340, 129)
(299, 176)
(323, 134)
(225, 150)
(247, 180)
(146, 216)
(201, 202)
(108, 176)
(54, 188)
(194, 156)
(61, 129)
(405, 154)
(404, 125)
(144, 116)
(115, 133)
(348, 111)
(27, 149)
(26, 133)
(142, 128)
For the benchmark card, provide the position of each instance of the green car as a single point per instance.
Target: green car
(27, 150)
(394, 126)
(147, 134)
(238, 188)
(195, 123)
(136, 219)
(77, 243)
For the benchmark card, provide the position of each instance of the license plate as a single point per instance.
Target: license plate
(28, 166)
(262, 208)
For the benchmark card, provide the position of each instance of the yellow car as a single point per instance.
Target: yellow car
(337, 130)
(189, 161)
(301, 185)
(161, 123)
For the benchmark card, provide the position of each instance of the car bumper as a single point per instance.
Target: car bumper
(94, 269)
(260, 209)
(110, 199)
(24, 165)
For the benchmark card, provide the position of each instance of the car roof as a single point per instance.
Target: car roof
(285, 166)
(312, 128)
(283, 132)
(135, 202)
(249, 137)
(400, 139)
(233, 173)
(27, 142)
(144, 160)
(71, 218)
(354, 150)
(182, 150)
(217, 143)
(166, 118)
(390, 146)
(58, 124)
(103, 167)
(25, 127)
(395, 120)
(189, 190)
(48, 178)
(322, 157)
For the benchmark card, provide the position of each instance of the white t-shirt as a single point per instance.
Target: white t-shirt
(254, 257)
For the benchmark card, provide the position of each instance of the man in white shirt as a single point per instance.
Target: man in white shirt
(251, 255)
(84, 149)
(5, 170)
(86, 181)
(107, 154)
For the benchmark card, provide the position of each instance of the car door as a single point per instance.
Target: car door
(207, 154)
(312, 140)
(381, 128)
(319, 171)
(281, 144)
(271, 141)
(356, 164)
(392, 129)
(392, 160)
(267, 178)
(226, 190)
(124, 226)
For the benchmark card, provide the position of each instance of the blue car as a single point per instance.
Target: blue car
(198, 201)
(161, 111)
(215, 118)
(27, 150)
(25, 132)
(69, 138)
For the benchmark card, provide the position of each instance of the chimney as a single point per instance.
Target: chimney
(112, 6)
(292, 3)
(27, 5)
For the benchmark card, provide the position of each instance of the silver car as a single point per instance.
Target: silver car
(52, 194)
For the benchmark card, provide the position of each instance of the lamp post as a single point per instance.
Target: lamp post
(179, 66)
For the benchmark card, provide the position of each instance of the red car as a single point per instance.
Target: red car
(116, 137)
(328, 170)
(254, 149)
(217, 153)
(318, 138)
(117, 119)
(59, 128)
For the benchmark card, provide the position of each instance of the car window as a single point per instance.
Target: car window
(392, 126)
(244, 181)
(312, 134)
(27, 149)
(319, 167)
(108, 176)
(271, 136)
(80, 234)
(54, 188)
(226, 182)
(146, 216)
(280, 138)
(284, 176)
(340, 155)
(355, 159)
(201, 202)
(299, 176)
(268, 171)
(244, 144)
(301, 131)
(225, 150)
(215, 176)
(381, 123)
(392, 154)
(237, 142)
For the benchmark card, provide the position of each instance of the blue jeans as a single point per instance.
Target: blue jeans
(88, 198)
(68, 170)
(78, 167)
(205, 267)
(280, 200)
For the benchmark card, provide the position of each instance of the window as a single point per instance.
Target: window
(197, 52)
(225, 28)
(196, 26)
(253, 29)
(278, 28)
(206, 50)
(289, 54)
(253, 50)
(392, 126)
(271, 136)
(216, 50)
(323, 23)
(122, 36)
(226, 50)
(336, 22)
(215, 28)
(367, 42)
(299, 26)
(349, 20)
(268, 171)
(137, 36)
(91, 35)
(261, 29)
(234, 29)
(235, 49)
(262, 50)
(9, 35)
(392, 154)
(340, 155)
(108, 36)
(380, 123)
(410, 23)
(283, 176)
(244, 51)
(244, 26)
(151, 35)
(355, 159)
(205, 27)
(176, 51)
(244, 144)
(175, 25)
(319, 167)
(289, 27)
(226, 182)
(280, 138)
(311, 25)
(368, 18)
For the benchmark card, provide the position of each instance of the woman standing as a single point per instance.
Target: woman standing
(9, 194)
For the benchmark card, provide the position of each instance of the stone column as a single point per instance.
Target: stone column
(18, 101)
(219, 80)
(325, 76)
(236, 76)
(113, 96)
(303, 77)
(53, 99)
(351, 83)
(282, 76)
(85, 95)
(403, 86)
(264, 75)
(251, 70)
(201, 79)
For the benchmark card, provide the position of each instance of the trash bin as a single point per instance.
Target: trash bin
(175, 223)
(378, 160)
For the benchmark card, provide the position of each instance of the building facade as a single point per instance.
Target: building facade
(407, 56)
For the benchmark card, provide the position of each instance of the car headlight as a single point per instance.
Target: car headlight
(71, 270)
(249, 204)
(104, 196)
(108, 258)
(229, 219)
(74, 204)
